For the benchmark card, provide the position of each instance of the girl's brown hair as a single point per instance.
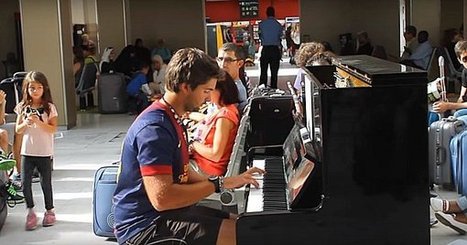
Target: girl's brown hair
(228, 90)
(38, 77)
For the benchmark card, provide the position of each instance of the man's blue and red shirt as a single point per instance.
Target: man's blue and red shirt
(154, 145)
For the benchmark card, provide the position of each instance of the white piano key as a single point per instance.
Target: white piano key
(255, 200)
(259, 163)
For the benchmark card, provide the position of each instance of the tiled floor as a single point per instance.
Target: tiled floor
(96, 142)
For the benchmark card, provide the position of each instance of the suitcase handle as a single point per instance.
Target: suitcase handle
(440, 155)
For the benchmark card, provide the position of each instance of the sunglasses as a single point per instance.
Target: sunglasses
(226, 59)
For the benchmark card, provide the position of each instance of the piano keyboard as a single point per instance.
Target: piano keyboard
(272, 192)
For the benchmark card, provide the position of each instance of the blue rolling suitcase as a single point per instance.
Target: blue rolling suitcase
(458, 149)
(105, 182)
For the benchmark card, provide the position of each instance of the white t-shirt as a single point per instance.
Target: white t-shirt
(159, 76)
(37, 142)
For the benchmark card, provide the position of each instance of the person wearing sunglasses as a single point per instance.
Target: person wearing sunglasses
(460, 106)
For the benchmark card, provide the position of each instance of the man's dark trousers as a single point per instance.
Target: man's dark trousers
(270, 55)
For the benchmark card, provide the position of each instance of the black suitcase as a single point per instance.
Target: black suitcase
(271, 119)
(112, 96)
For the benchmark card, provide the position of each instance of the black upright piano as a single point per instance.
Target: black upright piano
(367, 148)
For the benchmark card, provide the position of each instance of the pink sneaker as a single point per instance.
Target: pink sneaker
(49, 218)
(31, 221)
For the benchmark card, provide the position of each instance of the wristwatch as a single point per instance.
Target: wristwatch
(218, 182)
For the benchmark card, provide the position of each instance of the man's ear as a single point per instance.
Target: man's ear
(241, 63)
(184, 87)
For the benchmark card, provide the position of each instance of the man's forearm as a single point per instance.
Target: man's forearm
(457, 106)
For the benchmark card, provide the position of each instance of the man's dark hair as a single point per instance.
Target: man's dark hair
(139, 42)
(141, 65)
(270, 12)
(239, 54)
(412, 30)
(422, 36)
(191, 66)
(228, 90)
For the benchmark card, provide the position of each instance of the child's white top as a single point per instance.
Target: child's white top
(36, 141)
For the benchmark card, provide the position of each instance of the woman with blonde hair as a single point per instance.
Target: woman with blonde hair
(303, 58)
(306, 51)
(158, 85)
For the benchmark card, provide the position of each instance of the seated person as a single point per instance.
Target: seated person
(363, 44)
(162, 50)
(450, 38)
(304, 54)
(156, 194)
(420, 58)
(157, 85)
(411, 43)
(138, 91)
(3, 131)
(215, 134)
(107, 61)
(461, 104)
(231, 59)
(8, 136)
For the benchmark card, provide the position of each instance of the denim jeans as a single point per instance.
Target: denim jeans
(432, 117)
(462, 202)
(459, 113)
(44, 166)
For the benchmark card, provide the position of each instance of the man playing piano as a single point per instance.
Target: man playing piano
(157, 191)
